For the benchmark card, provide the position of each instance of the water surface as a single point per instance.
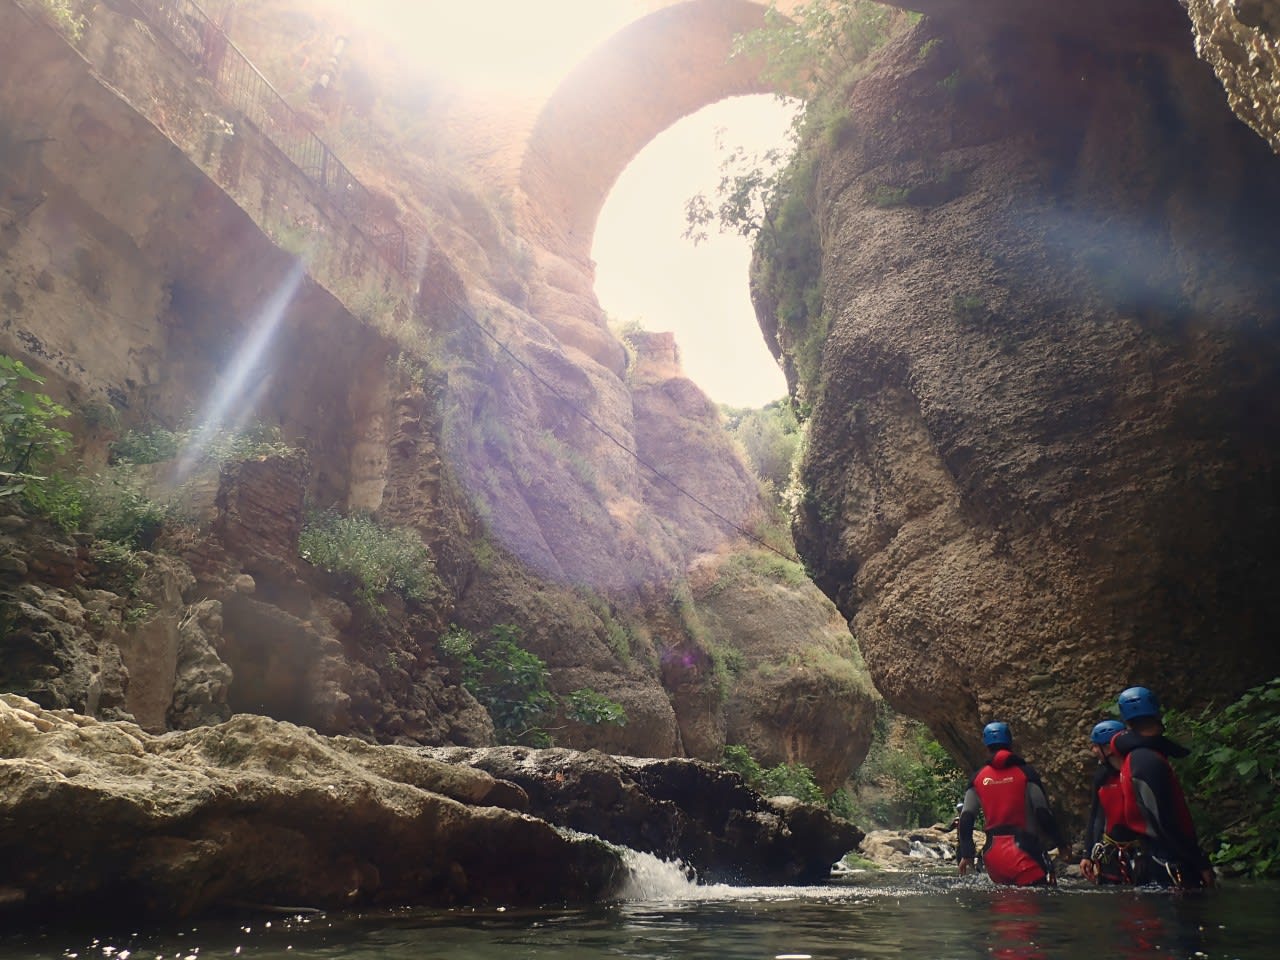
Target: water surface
(664, 915)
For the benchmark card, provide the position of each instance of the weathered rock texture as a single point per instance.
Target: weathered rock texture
(160, 254)
(1241, 40)
(103, 819)
(1041, 461)
(680, 810)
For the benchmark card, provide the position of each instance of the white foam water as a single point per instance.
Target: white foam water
(650, 879)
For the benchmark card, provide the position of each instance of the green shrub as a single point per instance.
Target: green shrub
(377, 558)
(511, 683)
(117, 507)
(57, 498)
(65, 17)
(921, 780)
(784, 780)
(158, 444)
(1232, 778)
(29, 438)
(119, 567)
(146, 446)
(769, 437)
(591, 707)
(507, 680)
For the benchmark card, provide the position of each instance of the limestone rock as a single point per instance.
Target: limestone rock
(201, 680)
(104, 819)
(675, 809)
(800, 693)
(1241, 40)
(1041, 450)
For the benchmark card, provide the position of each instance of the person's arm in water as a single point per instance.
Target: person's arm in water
(1097, 827)
(966, 853)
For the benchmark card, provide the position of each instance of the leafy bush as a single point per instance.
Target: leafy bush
(65, 18)
(119, 567)
(511, 684)
(29, 438)
(1232, 778)
(377, 558)
(921, 781)
(508, 681)
(786, 779)
(147, 446)
(590, 706)
(158, 444)
(117, 507)
(58, 499)
(769, 437)
(817, 45)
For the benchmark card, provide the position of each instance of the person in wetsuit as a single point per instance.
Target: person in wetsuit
(1019, 825)
(1153, 805)
(1109, 845)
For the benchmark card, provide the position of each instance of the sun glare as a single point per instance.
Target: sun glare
(499, 45)
(646, 271)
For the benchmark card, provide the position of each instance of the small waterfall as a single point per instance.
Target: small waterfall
(649, 878)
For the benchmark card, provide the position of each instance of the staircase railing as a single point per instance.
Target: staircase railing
(185, 24)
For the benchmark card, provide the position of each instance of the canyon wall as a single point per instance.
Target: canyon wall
(1041, 461)
(165, 262)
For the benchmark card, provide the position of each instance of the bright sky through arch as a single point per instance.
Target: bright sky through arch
(646, 270)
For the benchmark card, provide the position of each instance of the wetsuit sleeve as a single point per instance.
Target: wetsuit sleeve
(965, 849)
(1097, 824)
(1046, 823)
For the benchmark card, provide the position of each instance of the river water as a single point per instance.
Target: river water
(662, 914)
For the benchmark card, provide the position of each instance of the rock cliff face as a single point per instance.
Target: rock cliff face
(162, 253)
(1241, 40)
(1041, 461)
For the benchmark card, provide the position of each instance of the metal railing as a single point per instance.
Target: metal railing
(185, 24)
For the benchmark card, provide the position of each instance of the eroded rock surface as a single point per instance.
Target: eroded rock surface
(683, 810)
(103, 818)
(1041, 463)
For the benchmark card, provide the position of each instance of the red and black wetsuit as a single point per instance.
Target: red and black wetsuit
(1017, 815)
(1155, 809)
(1107, 839)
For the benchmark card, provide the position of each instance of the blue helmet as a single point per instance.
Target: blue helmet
(1138, 702)
(1104, 731)
(996, 734)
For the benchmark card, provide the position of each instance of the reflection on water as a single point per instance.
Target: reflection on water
(665, 915)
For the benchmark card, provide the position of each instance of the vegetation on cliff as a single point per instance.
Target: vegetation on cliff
(511, 683)
(1232, 778)
(29, 436)
(813, 53)
(376, 558)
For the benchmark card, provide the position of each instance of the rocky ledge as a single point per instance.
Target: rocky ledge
(102, 818)
(687, 810)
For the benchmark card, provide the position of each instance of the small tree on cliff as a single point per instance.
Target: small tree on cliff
(811, 54)
(29, 438)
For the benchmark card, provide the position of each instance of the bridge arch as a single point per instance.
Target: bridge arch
(658, 69)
